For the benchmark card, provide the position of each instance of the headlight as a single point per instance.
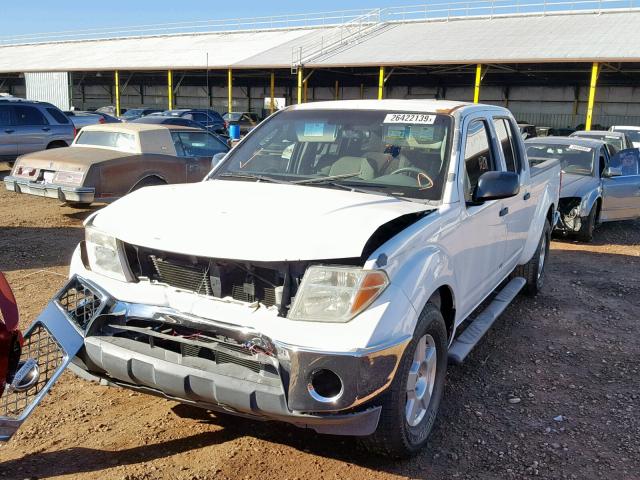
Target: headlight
(336, 294)
(71, 178)
(104, 255)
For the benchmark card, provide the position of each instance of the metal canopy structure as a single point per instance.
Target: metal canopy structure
(368, 39)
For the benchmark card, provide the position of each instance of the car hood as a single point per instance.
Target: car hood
(251, 221)
(69, 158)
(577, 185)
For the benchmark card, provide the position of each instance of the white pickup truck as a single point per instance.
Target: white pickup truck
(322, 272)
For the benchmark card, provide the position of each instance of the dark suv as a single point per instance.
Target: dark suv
(208, 118)
(29, 126)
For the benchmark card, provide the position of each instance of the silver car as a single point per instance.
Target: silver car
(29, 126)
(596, 186)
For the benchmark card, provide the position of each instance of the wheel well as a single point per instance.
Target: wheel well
(552, 209)
(57, 143)
(443, 299)
(149, 180)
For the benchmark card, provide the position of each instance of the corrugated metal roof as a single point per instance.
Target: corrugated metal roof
(572, 37)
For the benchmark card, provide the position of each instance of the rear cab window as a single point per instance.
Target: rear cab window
(506, 139)
(125, 142)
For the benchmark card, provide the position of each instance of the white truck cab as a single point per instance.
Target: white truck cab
(320, 273)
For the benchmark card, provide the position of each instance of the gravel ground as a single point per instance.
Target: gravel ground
(552, 391)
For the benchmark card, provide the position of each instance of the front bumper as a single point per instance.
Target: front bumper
(63, 193)
(220, 366)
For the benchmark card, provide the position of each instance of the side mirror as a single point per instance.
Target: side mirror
(496, 185)
(612, 172)
(217, 159)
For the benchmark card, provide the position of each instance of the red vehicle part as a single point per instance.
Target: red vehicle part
(10, 336)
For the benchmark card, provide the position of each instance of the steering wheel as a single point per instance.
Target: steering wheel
(419, 174)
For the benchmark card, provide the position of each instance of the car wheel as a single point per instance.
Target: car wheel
(588, 225)
(533, 271)
(410, 405)
(77, 204)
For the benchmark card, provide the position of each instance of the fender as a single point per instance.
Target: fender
(589, 200)
(9, 332)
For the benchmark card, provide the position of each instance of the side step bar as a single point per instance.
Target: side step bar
(468, 339)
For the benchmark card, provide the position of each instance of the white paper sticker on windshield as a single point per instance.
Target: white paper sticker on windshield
(419, 118)
(579, 148)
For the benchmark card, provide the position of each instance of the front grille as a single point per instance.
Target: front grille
(40, 346)
(80, 303)
(187, 277)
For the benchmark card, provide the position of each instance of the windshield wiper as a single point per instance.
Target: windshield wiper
(372, 191)
(325, 179)
(253, 176)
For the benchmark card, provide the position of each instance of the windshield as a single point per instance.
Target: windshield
(233, 117)
(125, 142)
(397, 153)
(574, 159)
(634, 135)
(613, 140)
(134, 112)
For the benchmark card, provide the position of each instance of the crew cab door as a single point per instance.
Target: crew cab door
(32, 129)
(518, 210)
(621, 194)
(479, 245)
(8, 143)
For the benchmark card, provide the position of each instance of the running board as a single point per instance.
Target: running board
(468, 339)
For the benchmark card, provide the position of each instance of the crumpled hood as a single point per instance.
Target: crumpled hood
(251, 221)
(577, 185)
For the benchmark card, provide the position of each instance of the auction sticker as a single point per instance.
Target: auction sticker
(579, 148)
(419, 118)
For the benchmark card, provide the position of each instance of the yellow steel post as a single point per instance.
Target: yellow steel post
(299, 84)
(117, 82)
(229, 90)
(595, 70)
(305, 95)
(381, 84)
(170, 88)
(272, 105)
(337, 90)
(476, 89)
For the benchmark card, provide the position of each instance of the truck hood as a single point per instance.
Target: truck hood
(577, 185)
(251, 221)
(69, 158)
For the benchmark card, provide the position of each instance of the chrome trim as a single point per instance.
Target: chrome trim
(50, 190)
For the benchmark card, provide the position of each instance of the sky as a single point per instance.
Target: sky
(37, 16)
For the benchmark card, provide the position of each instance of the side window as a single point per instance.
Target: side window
(200, 144)
(504, 131)
(602, 161)
(58, 115)
(201, 118)
(5, 115)
(177, 143)
(478, 157)
(28, 115)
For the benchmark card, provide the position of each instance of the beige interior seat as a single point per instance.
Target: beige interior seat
(358, 165)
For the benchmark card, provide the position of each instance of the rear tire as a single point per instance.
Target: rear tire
(77, 205)
(588, 225)
(410, 405)
(57, 144)
(533, 271)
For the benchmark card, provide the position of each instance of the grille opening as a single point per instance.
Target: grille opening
(192, 343)
(80, 303)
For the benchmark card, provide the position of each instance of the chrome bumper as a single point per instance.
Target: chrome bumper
(63, 193)
(198, 369)
(49, 345)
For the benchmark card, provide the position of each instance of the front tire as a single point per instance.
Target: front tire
(410, 405)
(533, 271)
(588, 225)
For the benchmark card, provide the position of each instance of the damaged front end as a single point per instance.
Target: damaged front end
(570, 209)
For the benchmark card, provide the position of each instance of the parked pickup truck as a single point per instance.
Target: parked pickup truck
(596, 187)
(321, 273)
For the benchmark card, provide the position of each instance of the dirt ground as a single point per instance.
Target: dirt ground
(571, 356)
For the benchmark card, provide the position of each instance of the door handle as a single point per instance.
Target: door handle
(504, 211)
(9, 131)
(46, 129)
(527, 196)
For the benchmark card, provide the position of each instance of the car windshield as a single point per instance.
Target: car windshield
(125, 142)
(634, 135)
(403, 154)
(133, 112)
(233, 117)
(574, 159)
(614, 140)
